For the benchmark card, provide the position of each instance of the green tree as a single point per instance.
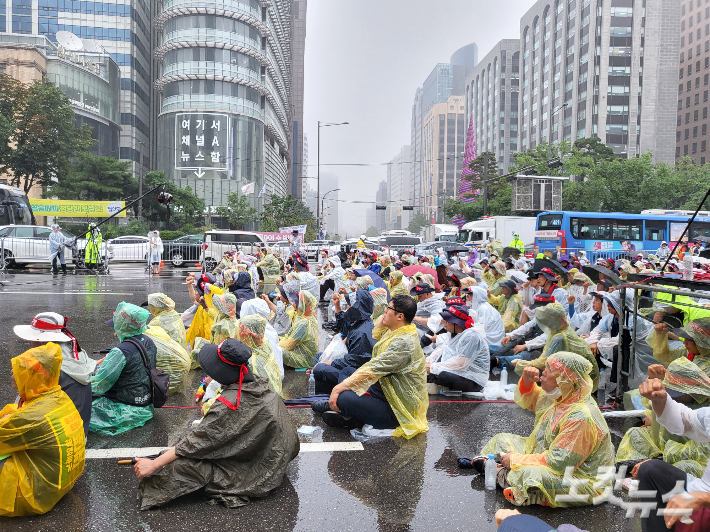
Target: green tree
(372, 231)
(93, 178)
(238, 212)
(43, 137)
(417, 221)
(186, 210)
(285, 212)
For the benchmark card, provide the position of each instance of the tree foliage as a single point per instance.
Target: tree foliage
(372, 231)
(238, 212)
(93, 178)
(287, 211)
(37, 133)
(417, 221)
(186, 209)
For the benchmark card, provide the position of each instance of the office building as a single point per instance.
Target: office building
(443, 143)
(492, 90)
(694, 82)
(398, 177)
(298, 49)
(610, 63)
(381, 199)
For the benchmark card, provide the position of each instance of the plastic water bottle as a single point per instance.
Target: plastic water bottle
(504, 378)
(311, 384)
(491, 469)
(601, 391)
(688, 267)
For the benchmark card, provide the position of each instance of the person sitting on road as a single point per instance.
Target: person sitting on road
(162, 308)
(585, 322)
(270, 267)
(428, 306)
(396, 286)
(77, 368)
(251, 332)
(241, 288)
(201, 289)
(463, 363)
(498, 276)
(240, 449)
(309, 282)
(356, 327)
(547, 282)
(509, 305)
(122, 381)
(224, 322)
(389, 391)
(333, 279)
(41, 438)
(261, 308)
(569, 432)
(488, 316)
(300, 344)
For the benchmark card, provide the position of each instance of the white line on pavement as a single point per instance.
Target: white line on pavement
(107, 292)
(147, 451)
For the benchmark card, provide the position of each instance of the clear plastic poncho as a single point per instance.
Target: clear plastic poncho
(396, 286)
(129, 320)
(263, 364)
(398, 364)
(259, 307)
(300, 344)
(164, 316)
(466, 355)
(560, 337)
(44, 436)
(270, 267)
(509, 308)
(171, 357)
(569, 432)
(488, 316)
(380, 301)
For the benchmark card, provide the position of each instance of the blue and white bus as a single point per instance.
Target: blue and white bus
(614, 233)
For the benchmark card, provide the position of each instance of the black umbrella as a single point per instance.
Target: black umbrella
(456, 249)
(511, 251)
(593, 271)
(552, 264)
(457, 273)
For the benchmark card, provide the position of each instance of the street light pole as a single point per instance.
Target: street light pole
(322, 206)
(318, 206)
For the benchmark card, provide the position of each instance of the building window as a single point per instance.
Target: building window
(687, 133)
(687, 118)
(697, 82)
(680, 104)
(677, 136)
(705, 96)
(702, 160)
(695, 147)
(695, 132)
(677, 151)
(705, 130)
(705, 112)
(678, 121)
(704, 147)
(697, 98)
(695, 116)
(687, 101)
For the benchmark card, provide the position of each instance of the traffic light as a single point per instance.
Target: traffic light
(408, 208)
(380, 208)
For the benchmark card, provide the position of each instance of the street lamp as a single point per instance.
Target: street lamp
(320, 125)
(322, 207)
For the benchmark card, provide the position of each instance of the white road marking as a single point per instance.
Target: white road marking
(107, 292)
(129, 452)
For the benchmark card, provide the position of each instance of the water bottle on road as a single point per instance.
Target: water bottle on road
(311, 384)
(504, 378)
(491, 470)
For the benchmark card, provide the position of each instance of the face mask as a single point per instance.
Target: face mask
(554, 394)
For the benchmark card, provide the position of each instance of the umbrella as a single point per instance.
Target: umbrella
(592, 271)
(376, 279)
(456, 249)
(510, 251)
(457, 273)
(411, 270)
(548, 263)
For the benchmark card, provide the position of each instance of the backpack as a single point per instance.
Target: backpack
(159, 380)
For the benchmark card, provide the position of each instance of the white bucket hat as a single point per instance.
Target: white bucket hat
(43, 329)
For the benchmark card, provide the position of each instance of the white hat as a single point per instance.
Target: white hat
(36, 331)
(362, 237)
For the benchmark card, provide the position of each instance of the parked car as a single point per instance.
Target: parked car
(216, 243)
(184, 249)
(29, 244)
(129, 248)
(428, 248)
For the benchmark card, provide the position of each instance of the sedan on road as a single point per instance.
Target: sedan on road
(184, 249)
(129, 248)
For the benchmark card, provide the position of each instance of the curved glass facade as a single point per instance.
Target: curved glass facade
(224, 120)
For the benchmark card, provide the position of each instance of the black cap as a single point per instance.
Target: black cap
(547, 273)
(224, 362)
(606, 283)
(300, 262)
(541, 300)
(510, 285)
(420, 289)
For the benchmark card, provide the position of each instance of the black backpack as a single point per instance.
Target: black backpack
(159, 380)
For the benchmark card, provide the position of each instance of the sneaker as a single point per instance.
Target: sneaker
(478, 463)
(336, 420)
(321, 406)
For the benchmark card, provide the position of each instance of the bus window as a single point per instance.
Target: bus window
(699, 229)
(627, 230)
(591, 228)
(549, 221)
(655, 230)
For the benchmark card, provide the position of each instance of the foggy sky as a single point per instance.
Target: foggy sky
(364, 62)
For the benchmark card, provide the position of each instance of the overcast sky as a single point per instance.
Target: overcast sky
(364, 62)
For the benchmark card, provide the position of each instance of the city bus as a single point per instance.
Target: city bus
(614, 233)
(15, 207)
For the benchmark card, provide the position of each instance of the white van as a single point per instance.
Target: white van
(217, 243)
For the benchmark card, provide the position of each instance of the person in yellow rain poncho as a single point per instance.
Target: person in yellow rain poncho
(560, 337)
(223, 316)
(270, 267)
(251, 332)
(509, 304)
(379, 300)
(569, 432)
(300, 344)
(396, 286)
(201, 289)
(499, 275)
(43, 436)
(162, 308)
(92, 252)
(171, 357)
(389, 391)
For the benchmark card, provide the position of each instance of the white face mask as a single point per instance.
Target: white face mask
(554, 394)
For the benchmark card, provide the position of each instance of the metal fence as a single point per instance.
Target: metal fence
(594, 254)
(28, 248)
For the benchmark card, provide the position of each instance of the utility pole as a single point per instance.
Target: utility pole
(485, 184)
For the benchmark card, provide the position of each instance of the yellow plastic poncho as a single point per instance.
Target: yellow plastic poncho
(202, 322)
(270, 267)
(171, 357)
(44, 436)
(263, 363)
(560, 337)
(494, 288)
(379, 299)
(510, 309)
(495, 248)
(640, 443)
(164, 316)
(396, 286)
(300, 344)
(569, 432)
(224, 320)
(399, 365)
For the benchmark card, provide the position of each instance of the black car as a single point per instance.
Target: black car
(184, 249)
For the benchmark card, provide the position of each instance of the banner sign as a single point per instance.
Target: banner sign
(300, 228)
(77, 209)
(273, 237)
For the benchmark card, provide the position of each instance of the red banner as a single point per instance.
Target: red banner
(273, 237)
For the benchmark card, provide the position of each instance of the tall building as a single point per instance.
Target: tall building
(693, 84)
(225, 81)
(445, 80)
(612, 63)
(121, 28)
(398, 177)
(443, 143)
(492, 90)
(298, 52)
(381, 199)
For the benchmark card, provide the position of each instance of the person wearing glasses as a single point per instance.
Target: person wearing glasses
(389, 391)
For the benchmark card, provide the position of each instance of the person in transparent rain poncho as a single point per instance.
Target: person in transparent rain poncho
(463, 363)
(301, 343)
(579, 293)
(488, 315)
(162, 308)
(334, 279)
(498, 276)
(560, 337)
(427, 319)
(570, 438)
(251, 332)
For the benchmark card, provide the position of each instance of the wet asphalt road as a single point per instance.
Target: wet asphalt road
(392, 485)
